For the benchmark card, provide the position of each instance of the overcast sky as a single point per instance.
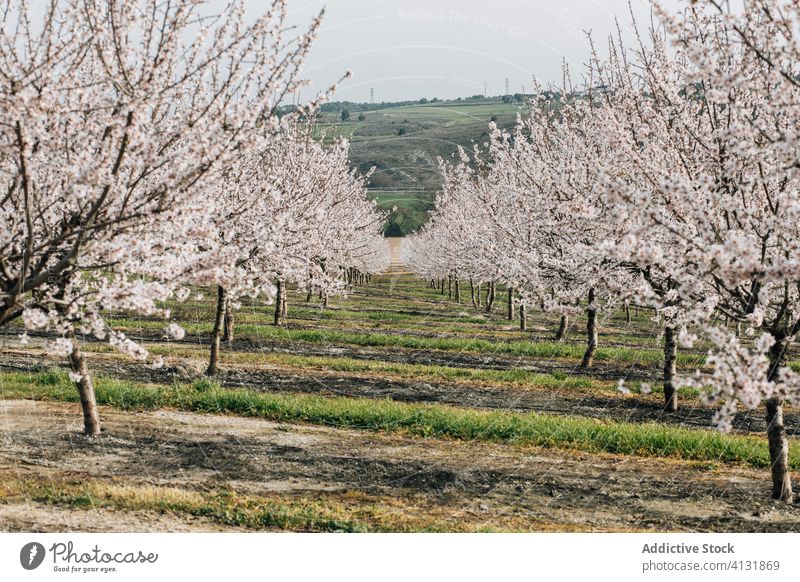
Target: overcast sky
(408, 49)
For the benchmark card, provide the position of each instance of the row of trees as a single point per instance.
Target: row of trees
(295, 213)
(141, 151)
(670, 179)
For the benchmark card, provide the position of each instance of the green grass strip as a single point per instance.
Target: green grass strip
(639, 439)
(532, 349)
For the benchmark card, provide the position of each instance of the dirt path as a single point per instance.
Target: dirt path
(32, 517)
(396, 265)
(490, 486)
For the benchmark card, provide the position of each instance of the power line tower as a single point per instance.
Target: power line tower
(508, 86)
(372, 96)
(485, 90)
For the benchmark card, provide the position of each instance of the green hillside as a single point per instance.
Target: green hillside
(403, 144)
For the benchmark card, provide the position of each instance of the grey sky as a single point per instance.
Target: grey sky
(407, 49)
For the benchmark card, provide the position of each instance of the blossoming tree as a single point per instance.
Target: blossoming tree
(117, 120)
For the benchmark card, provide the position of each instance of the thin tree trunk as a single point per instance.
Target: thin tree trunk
(490, 298)
(216, 334)
(778, 451)
(85, 386)
(563, 324)
(627, 314)
(776, 431)
(510, 304)
(478, 292)
(449, 286)
(284, 310)
(458, 291)
(278, 319)
(227, 336)
(310, 295)
(472, 291)
(523, 320)
(670, 361)
(591, 332)
(442, 289)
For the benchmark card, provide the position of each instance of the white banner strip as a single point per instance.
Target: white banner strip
(406, 557)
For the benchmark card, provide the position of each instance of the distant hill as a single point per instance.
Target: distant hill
(403, 141)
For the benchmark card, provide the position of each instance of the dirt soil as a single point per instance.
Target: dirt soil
(485, 484)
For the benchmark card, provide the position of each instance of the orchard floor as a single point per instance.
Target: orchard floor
(160, 466)
(376, 481)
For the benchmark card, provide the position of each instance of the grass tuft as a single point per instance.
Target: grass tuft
(206, 384)
(52, 377)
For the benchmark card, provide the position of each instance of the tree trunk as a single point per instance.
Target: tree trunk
(458, 291)
(523, 320)
(670, 360)
(591, 332)
(442, 289)
(562, 328)
(228, 334)
(627, 314)
(778, 451)
(310, 295)
(478, 293)
(278, 319)
(85, 386)
(776, 432)
(472, 291)
(510, 304)
(284, 310)
(216, 334)
(490, 297)
(449, 286)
